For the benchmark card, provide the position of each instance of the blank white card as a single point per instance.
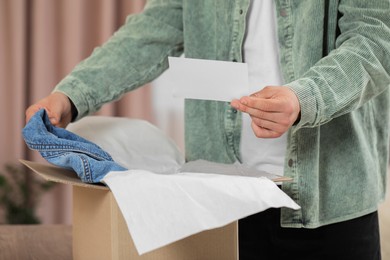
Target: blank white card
(208, 79)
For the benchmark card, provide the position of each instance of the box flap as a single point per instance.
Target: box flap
(56, 174)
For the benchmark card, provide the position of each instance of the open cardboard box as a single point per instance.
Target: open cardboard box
(100, 231)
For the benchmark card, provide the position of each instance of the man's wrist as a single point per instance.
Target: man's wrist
(73, 110)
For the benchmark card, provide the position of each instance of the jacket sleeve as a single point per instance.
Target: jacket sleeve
(356, 71)
(136, 54)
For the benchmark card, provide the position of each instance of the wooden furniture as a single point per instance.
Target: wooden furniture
(24, 242)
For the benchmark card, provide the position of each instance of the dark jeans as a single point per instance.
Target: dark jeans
(262, 238)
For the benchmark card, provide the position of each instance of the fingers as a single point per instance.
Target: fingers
(31, 111)
(54, 117)
(57, 106)
(263, 132)
(55, 114)
(275, 127)
(273, 110)
(260, 107)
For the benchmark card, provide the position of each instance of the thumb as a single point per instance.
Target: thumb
(54, 114)
(57, 108)
(266, 92)
(54, 120)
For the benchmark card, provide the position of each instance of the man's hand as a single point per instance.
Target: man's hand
(57, 106)
(273, 110)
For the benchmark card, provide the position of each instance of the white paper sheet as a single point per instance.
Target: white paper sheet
(161, 209)
(207, 79)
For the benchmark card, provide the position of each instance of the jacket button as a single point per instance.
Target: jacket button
(241, 11)
(234, 60)
(290, 162)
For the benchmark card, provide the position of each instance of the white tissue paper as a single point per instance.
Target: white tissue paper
(132, 143)
(161, 209)
(164, 200)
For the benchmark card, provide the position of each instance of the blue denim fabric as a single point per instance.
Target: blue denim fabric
(68, 150)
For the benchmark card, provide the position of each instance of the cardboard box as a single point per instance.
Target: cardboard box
(100, 231)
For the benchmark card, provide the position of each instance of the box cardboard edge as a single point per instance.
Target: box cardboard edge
(60, 175)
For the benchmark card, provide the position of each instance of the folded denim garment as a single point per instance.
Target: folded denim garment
(68, 150)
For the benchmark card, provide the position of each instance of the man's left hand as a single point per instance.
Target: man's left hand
(273, 110)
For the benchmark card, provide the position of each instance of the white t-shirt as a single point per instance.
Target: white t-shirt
(261, 53)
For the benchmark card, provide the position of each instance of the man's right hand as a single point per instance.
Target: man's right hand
(58, 108)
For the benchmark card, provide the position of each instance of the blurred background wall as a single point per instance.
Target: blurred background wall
(40, 42)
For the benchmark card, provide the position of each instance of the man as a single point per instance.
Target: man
(324, 124)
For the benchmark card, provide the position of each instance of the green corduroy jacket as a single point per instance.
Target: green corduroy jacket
(334, 54)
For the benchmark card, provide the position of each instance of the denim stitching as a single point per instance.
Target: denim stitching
(86, 168)
(54, 148)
